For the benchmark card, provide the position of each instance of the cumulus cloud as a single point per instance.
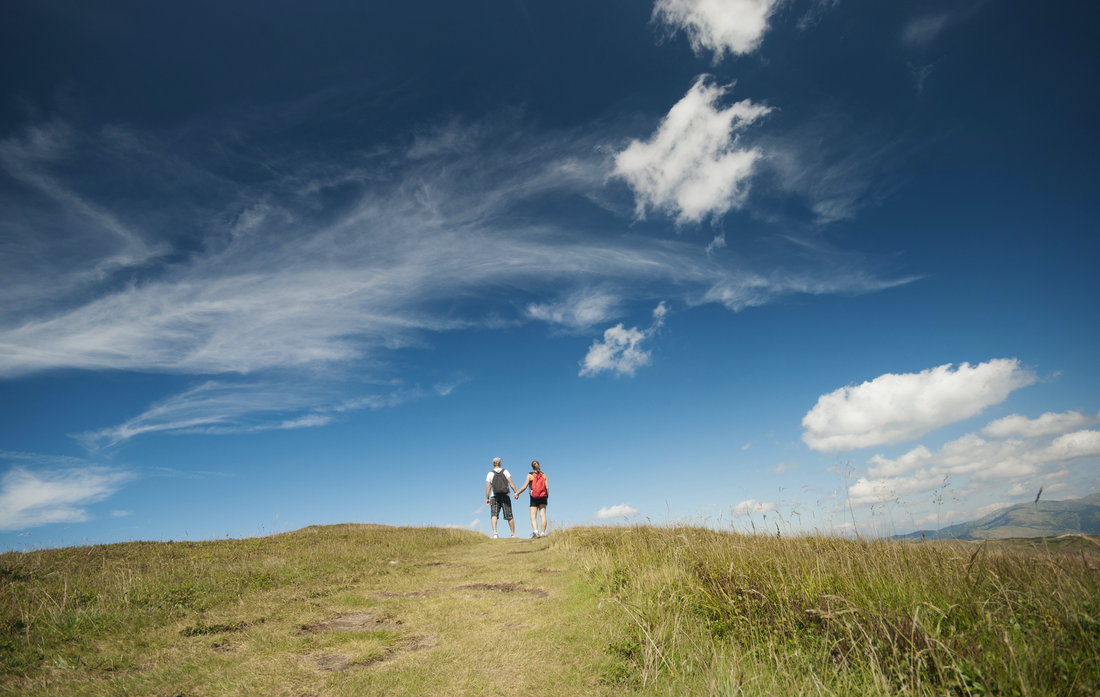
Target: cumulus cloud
(982, 465)
(694, 165)
(720, 26)
(619, 350)
(896, 408)
(30, 499)
(1046, 425)
(618, 511)
(752, 506)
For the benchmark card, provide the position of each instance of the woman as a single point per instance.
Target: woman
(539, 493)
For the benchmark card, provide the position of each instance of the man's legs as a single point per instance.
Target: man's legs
(512, 524)
(494, 519)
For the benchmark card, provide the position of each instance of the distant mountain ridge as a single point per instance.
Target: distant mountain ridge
(1044, 519)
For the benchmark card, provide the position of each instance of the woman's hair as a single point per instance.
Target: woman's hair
(535, 464)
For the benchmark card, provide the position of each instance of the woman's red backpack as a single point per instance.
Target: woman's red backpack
(538, 485)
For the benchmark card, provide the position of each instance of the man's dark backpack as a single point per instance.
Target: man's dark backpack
(500, 483)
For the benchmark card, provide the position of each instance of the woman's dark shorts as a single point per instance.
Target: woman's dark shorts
(537, 501)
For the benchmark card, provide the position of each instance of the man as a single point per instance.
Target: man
(496, 495)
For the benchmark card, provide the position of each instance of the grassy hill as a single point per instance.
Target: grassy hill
(375, 610)
(1042, 519)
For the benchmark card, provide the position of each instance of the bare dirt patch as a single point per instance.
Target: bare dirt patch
(548, 571)
(506, 587)
(352, 622)
(390, 595)
(332, 662)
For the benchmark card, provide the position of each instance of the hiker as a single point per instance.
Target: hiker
(496, 495)
(539, 492)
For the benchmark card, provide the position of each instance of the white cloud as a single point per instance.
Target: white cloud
(895, 408)
(921, 32)
(817, 10)
(621, 510)
(446, 387)
(472, 525)
(983, 511)
(579, 310)
(783, 467)
(747, 445)
(736, 292)
(984, 465)
(718, 242)
(924, 30)
(1046, 425)
(693, 167)
(736, 26)
(29, 499)
(220, 407)
(752, 506)
(619, 350)
(659, 314)
(314, 274)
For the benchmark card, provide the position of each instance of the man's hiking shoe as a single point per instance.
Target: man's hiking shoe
(513, 536)
(534, 535)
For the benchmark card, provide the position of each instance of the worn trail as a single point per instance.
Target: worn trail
(507, 617)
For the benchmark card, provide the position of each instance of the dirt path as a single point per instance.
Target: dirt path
(507, 617)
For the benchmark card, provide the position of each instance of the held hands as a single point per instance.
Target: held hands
(517, 495)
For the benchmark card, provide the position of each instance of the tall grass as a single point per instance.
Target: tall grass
(726, 613)
(89, 607)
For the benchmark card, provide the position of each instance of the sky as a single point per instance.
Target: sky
(794, 265)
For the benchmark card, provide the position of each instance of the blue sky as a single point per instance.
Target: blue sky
(807, 262)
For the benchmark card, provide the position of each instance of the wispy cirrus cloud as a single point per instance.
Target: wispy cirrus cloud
(32, 498)
(296, 272)
(580, 309)
(231, 407)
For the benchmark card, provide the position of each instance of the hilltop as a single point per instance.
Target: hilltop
(329, 611)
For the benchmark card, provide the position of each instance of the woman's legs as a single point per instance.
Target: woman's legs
(534, 527)
(542, 510)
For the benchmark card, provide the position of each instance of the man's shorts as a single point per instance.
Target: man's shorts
(537, 501)
(498, 502)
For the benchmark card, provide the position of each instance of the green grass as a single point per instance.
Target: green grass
(366, 609)
(105, 609)
(723, 613)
